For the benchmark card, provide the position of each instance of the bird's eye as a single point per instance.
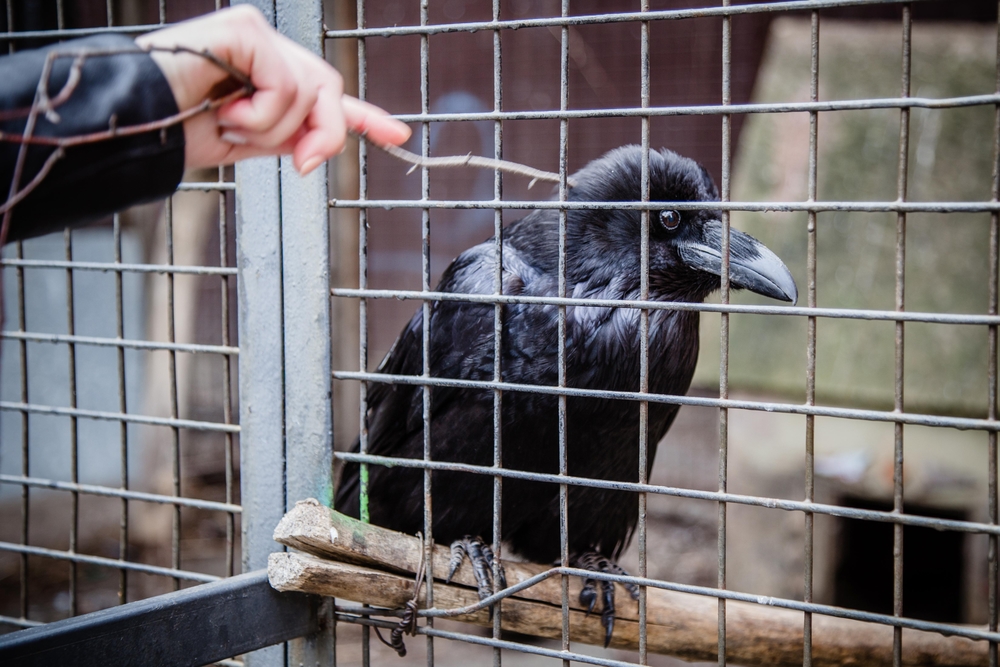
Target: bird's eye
(670, 219)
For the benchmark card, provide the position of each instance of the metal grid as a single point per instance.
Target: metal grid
(18, 332)
(811, 313)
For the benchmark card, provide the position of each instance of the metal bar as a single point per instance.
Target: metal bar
(114, 563)
(766, 207)
(118, 267)
(210, 186)
(118, 416)
(363, 304)
(227, 389)
(175, 436)
(72, 33)
(715, 109)
(123, 409)
(497, 328)
(73, 340)
(755, 501)
(564, 553)
(643, 444)
(993, 501)
(97, 490)
(837, 313)
(617, 17)
(25, 423)
(194, 626)
(724, 328)
(807, 588)
(900, 279)
(786, 408)
(305, 253)
(74, 449)
(19, 622)
(261, 364)
(425, 324)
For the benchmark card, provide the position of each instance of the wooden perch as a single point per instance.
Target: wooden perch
(376, 566)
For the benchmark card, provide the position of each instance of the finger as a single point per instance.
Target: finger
(373, 122)
(325, 135)
(277, 88)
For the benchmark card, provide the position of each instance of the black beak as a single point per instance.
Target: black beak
(751, 265)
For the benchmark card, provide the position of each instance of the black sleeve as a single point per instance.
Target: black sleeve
(91, 180)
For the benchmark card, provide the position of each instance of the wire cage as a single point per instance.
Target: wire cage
(555, 85)
(120, 440)
(863, 151)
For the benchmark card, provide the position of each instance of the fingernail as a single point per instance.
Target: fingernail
(233, 138)
(226, 123)
(310, 164)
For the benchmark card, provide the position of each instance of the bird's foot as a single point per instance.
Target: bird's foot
(595, 562)
(481, 556)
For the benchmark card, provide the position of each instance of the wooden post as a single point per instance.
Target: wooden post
(376, 566)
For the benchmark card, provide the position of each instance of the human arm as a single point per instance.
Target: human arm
(297, 107)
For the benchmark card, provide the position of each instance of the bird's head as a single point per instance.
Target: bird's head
(685, 247)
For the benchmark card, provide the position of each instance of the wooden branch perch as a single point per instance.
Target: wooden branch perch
(376, 566)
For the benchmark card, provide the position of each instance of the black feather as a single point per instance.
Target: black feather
(602, 352)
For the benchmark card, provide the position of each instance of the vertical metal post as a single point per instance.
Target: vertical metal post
(363, 306)
(305, 234)
(305, 253)
(284, 314)
(261, 370)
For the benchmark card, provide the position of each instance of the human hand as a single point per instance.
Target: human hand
(298, 107)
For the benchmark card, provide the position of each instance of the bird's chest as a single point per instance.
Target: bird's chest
(605, 349)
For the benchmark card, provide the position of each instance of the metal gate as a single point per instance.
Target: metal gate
(294, 238)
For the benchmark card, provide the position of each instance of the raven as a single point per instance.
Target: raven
(602, 351)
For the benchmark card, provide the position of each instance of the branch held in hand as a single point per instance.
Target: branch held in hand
(469, 160)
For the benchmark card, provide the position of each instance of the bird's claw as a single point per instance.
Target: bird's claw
(595, 562)
(481, 556)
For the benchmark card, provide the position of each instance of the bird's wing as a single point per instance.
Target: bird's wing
(461, 347)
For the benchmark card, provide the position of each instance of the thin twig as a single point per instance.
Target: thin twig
(56, 155)
(22, 151)
(115, 132)
(467, 161)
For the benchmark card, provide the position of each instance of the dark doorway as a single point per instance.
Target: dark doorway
(933, 565)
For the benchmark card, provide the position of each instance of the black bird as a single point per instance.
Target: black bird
(602, 352)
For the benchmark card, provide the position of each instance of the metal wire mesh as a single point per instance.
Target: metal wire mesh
(500, 117)
(176, 450)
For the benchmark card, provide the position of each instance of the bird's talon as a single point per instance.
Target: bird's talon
(608, 621)
(588, 596)
(481, 556)
(595, 562)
